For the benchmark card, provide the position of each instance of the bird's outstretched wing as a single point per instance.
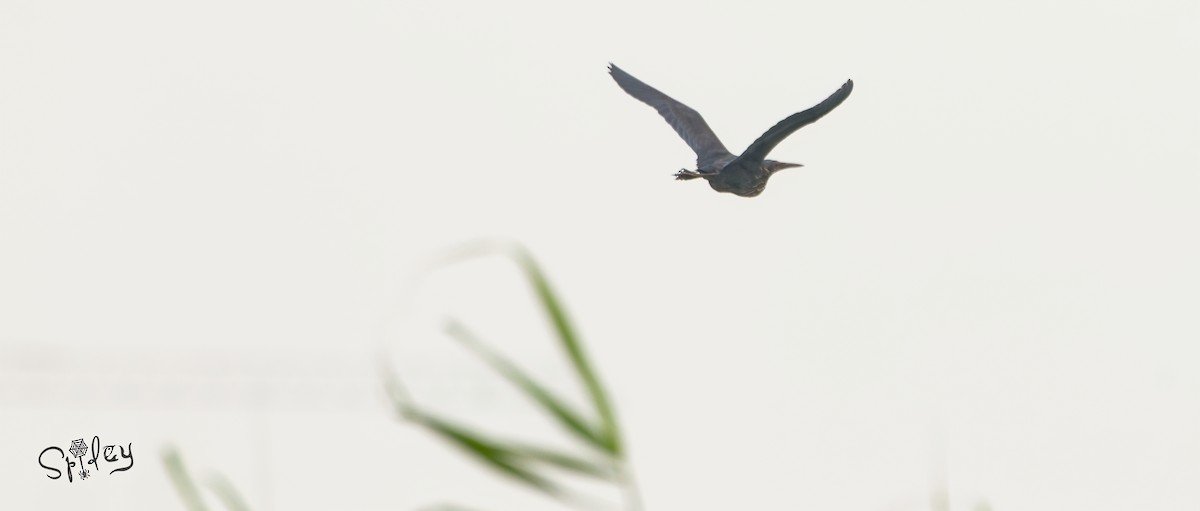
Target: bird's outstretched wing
(687, 123)
(761, 147)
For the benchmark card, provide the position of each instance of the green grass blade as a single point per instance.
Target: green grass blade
(522, 454)
(571, 344)
(183, 483)
(563, 461)
(486, 450)
(397, 394)
(568, 418)
(227, 494)
(491, 452)
(553, 308)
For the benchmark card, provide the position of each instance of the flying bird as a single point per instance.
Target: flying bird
(745, 175)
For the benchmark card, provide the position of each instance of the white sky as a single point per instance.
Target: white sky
(989, 258)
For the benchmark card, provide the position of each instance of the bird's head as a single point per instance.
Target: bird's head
(773, 166)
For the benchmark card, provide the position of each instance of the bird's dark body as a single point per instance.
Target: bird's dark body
(745, 175)
(744, 178)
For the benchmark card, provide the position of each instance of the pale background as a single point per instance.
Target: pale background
(212, 217)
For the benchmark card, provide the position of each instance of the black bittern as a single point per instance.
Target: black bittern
(745, 175)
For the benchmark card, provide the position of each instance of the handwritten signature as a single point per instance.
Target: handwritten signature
(79, 450)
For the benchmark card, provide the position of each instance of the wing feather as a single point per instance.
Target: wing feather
(759, 149)
(686, 122)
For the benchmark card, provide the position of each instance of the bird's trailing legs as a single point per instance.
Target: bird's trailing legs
(685, 174)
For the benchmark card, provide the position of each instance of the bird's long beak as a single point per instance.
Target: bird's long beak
(778, 166)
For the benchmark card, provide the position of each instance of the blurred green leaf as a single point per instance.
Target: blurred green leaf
(184, 485)
(396, 393)
(564, 461)
(567, 338)
(516, 460)
(570, 341)
(492, 452)
(561, 411)
(227, 494)
(513, 453)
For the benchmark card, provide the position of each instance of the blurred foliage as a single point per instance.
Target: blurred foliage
(600, 455)
(189, 491)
